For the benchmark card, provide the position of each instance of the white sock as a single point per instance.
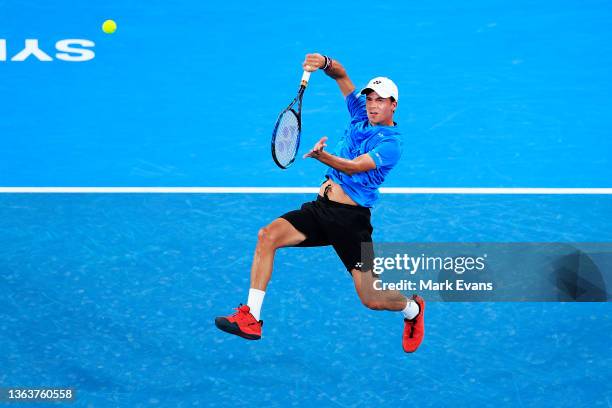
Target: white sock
(411, 310)
(255, 301)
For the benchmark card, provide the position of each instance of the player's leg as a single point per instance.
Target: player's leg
(279, 233)
(357, 254)
(245, 322)
(374, 299)
(356, 251)
(354, 246)
(413, 308)
(291, 229)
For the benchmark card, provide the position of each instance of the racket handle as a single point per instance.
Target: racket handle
(305, 78)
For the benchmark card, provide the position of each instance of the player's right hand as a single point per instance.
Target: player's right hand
(312, 62)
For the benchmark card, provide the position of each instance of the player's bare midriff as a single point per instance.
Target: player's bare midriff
(335, 193)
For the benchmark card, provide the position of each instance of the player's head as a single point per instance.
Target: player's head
(381, 100)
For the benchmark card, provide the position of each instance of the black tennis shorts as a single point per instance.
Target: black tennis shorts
(343, 226)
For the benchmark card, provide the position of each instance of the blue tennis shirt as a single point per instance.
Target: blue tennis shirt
(382, 143)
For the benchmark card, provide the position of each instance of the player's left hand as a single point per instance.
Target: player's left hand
(317, 149)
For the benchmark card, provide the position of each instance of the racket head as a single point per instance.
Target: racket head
(286, 138)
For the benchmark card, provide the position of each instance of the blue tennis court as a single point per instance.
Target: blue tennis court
(114, 295)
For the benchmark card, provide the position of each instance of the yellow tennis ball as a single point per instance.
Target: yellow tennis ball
(109, 26)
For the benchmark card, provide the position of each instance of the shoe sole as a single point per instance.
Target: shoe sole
(232, 328)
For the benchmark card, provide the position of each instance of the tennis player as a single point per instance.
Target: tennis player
(340, 215)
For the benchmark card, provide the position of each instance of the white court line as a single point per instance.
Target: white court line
(299, 190)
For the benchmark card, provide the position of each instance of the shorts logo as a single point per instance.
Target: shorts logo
(71, 50)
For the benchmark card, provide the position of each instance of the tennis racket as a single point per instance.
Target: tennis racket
(288, 128)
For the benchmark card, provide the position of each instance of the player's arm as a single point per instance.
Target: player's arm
(334, 69)
(357, 165)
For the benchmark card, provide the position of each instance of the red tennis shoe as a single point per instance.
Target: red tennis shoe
(414, 329)
(242, 323)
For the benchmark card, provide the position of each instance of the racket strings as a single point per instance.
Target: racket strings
(286, 142)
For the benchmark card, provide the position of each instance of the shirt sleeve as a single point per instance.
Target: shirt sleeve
(356, 105)
(387, 153)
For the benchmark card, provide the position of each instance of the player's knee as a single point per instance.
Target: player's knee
(372, 304)
(371, 301)
(267, 237)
